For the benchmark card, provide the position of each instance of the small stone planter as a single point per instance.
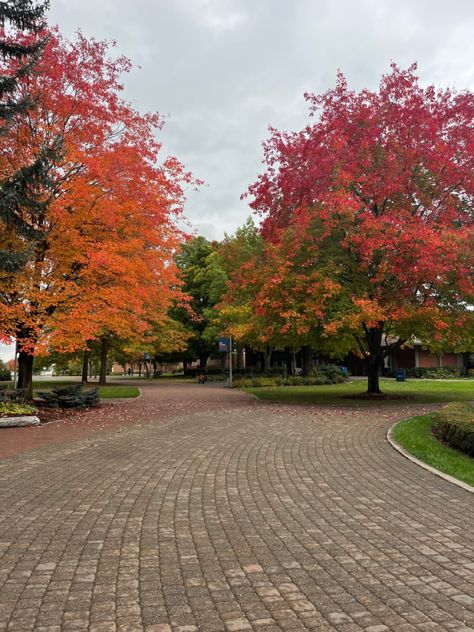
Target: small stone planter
(19, 421)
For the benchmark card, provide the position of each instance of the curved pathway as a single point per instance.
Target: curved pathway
(214, 512)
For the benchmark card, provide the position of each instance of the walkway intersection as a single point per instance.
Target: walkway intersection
(213, 512)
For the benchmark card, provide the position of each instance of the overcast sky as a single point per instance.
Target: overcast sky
(221, 71)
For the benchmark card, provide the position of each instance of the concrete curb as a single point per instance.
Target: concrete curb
(425, 466)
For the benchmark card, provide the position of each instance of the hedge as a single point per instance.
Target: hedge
(438, 372)
(455, 426)
(293, 380)
(5, 375)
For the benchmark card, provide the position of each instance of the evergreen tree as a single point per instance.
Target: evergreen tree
(17, 18)
(21, 191)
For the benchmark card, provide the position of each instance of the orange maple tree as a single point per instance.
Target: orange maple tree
(107, 228)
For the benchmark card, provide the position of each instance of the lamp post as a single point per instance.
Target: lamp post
(15, 366)
(230, 362)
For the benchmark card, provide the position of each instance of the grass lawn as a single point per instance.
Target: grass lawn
(416, 437)
(112, 391)
(413, 391)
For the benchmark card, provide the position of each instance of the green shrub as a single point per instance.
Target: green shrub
(5, 375)
(72, 396)
(292, 380)
(18, 395)
(263, 381)
(242, 382)
(12, 408)
(455, 426)
(331, 372)
(434, 372)
(216, 377)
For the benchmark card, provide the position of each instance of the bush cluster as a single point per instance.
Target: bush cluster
(18, 395)
(455, 426)
(73, 396)
(13, 408)
(435, 372)
(5, 375)
(324, 374)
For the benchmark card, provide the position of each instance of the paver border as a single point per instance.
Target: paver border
(422, 464)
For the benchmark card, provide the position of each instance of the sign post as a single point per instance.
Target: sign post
(15, 366)
(146, 360)
(230, 362)
(225, 346)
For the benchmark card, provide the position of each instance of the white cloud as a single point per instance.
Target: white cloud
(225, 69)
(216, 15)
(7, 352)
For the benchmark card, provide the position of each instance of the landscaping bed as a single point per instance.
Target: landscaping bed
(419, 437)
(455, 426)
(12, 411)
(323, 375)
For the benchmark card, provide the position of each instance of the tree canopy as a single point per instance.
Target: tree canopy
(368, 219)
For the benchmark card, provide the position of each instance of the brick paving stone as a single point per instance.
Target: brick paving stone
(198, 509)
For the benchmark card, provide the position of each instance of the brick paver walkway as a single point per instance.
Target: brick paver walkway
(236, 516)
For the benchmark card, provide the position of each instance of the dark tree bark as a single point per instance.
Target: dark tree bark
(85, 366)
(373, 375)
(267, 358)
(203, 357)
(240, 357)
(307, 360)
(374, 359)
(104, 350)
(25, 373)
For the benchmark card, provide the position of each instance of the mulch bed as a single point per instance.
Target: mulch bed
(48, 415)
(379, 397)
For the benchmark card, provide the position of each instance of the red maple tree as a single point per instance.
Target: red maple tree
(371, 209)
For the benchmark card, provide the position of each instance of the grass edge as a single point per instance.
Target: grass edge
(414, 459)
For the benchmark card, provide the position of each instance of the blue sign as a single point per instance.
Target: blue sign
(146, 356)
(400, 375)
(224, 345)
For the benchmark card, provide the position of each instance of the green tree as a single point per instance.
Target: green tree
(22, 41)
(203, 281)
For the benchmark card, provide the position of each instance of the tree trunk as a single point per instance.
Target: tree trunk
(85, 366)
(25, 373)
(185, 366)
(240, 357)
(267, 358)
(307, 360)
(374, 359)
(465, 363)
(104, 349)
(373, 376)
(203, 361)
